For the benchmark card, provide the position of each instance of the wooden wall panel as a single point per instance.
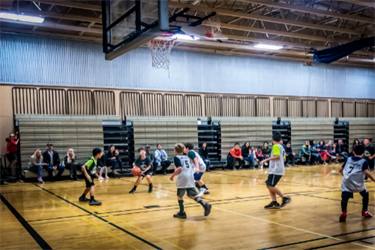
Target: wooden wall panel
(308, 108)
(348, 109)
(130, 104)
(360, 109)
(336, 108)
(371, 109)
(230, 105)
(152, 104)
(174, 105)
(213, 105)
(79, 102)
(104, 102)
(280, 107)
(263, 106)
(322, 108)
(25, 100)
(193, 105)
(247, 106)
(294, 107)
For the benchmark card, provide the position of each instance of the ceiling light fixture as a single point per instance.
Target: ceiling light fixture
(186, 37)
(267, 46)
(22, 18)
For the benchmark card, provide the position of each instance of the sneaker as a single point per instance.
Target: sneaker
(273, 205)
(286, 201)
(201, 192)
(83, 199)
(132, 191)
(180, 215)
(95, 203)
(343, 216)
(325, 163)
(40, 180)
(307, 164)
(333, 157)
(288, 165)
(366, 214)
(234, 169)
(266, 164)
(207, 209)
(150, 189)
(100, 178)
(107, 177)
(207, 191)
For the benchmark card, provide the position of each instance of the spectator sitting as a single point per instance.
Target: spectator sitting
(245, 152)
(151, 156)
(369, 155)
(113, 156)
(331, 149)
(266, 151)
(52, 158)
(254, 155)
(235, 155)
(341, 150)
(314, 152)
(36, 165)
(355, 143)
(259, 154)
(11, 153)
(161, 158)
(203, 152)
(289, 155)
(70, 162)
(306, 153)
(322, 149)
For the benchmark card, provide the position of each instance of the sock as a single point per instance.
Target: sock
(181, 205)
(200, 201)
(135, 188)
(204, 186)
(92, 198)
(197, 186)
(344, 204)
(365, 199)
(150, 185)
(84, 195)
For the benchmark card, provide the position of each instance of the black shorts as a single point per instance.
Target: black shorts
(11, 157)
(148, 172)
(89, 183)
(273, 179)
(348, 195)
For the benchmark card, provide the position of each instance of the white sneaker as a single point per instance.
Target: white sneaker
(201, 193)
(333, 157)
(207, 191)
(265, 164)
(107, 177)
(100, 178)
(325, 163)
(40, 180)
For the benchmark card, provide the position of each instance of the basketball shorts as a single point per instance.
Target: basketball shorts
(89, 183)
(148, 172)
(273, 179)
(197, 177)
(189, 191)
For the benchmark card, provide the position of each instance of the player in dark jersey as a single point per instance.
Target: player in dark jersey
(144, 163)
(89, 172)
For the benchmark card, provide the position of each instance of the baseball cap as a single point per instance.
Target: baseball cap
(49, 144)
(147, 146)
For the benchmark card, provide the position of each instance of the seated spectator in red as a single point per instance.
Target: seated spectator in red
(259, 154)
(36, 165)
(52, 158)
(235, 155)
(331, 149)
(11, 153)
(322, 150)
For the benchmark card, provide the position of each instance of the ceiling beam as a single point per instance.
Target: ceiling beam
(317, 12)
(265, 18)
(77, 5)
(370, 3)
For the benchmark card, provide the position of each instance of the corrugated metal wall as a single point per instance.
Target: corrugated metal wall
(56, 62)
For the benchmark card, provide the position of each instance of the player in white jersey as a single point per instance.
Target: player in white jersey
(354, 169)
(184, 171)
(197, 161)
(275, 172)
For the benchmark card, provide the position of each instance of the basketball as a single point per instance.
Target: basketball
(136, 171)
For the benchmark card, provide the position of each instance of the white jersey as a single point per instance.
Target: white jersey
(353, 176)
(185, 179)
(277, 167)
(202, 166)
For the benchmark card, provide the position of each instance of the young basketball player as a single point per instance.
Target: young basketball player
(184, 171)
(144, 163)
(197, 161)
(89, 172)
(276, 171)
(353, 170)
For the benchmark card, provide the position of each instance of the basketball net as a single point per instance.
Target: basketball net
(160, 52)
(212, 26)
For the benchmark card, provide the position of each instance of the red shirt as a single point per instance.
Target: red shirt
(236, 153)
(11, 147)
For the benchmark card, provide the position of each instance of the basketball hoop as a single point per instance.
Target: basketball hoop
(160, 50)
(212, 26)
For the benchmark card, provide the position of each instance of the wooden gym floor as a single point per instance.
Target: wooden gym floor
(53, 218)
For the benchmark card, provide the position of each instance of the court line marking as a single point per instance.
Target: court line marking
(353, 202)
(41, 242)
(149, 243)
(345, 242)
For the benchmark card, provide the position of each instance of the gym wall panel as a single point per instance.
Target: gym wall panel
(25, 100)
(52, 101)
(263, 106)
(104, 102)
(130, 104)
(247, 106)
(348, 109)
(304, 129)
(152, 104)
(371, 109)
(174, 105)
(256, 130)
(213, 105)
(79, 102)
(361, 128)
(360, 109)
(308, 108)
(193, 105)
(230, 105)
(336, 108)
(280, 107)
(322, 108)
(294, 107)
(48, 61)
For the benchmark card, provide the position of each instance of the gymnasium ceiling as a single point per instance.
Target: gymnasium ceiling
(298, 25)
